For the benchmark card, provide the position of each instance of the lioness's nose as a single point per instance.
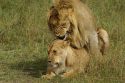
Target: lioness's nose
(49, 61)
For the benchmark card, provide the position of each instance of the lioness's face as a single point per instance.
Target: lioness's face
(57, 54)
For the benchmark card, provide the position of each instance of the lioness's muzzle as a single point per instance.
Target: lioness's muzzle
(54, 65)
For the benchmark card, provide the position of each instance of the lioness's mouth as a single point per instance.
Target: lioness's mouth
(55, 65)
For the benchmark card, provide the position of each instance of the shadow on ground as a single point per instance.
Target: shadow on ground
(34, 68)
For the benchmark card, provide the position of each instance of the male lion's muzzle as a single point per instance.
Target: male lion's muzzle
(62, 37)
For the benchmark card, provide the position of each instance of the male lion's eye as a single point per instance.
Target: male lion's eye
(54, 51)
(63, 24)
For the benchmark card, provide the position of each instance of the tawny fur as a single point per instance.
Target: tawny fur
(82, 29)
(64, 60)
(103, 40)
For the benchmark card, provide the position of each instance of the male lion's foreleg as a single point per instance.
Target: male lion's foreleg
(93, 41)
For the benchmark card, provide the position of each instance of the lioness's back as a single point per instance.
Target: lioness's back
(82, 58)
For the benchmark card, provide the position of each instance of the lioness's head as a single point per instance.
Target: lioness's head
(57, 53)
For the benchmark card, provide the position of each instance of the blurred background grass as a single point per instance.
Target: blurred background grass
(24, 37)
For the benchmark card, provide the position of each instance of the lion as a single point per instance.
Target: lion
(71, 20)
(103, 38)
(64, 60)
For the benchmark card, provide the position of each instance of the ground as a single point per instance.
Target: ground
(24, 37)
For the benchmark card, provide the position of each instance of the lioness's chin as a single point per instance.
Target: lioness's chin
(56, 65)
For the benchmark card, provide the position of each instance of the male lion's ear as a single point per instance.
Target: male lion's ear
(48, 47)
(55, 2)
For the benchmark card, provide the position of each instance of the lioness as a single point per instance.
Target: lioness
(64, 60)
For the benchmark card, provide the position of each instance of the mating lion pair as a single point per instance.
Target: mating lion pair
(71, 21)
(66, 61)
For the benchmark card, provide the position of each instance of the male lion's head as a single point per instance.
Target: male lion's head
(59, 22)
(57, 53)
(61, 31)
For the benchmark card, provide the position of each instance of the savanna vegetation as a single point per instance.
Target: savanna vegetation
(24, 36)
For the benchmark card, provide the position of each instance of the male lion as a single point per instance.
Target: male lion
(103, 40)
(72, 20)
(64, 60)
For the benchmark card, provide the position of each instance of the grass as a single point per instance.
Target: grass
(24, 37)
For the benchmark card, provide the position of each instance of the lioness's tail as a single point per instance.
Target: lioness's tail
(103, 40)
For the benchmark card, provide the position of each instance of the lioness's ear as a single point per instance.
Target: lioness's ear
(67, 43)
(50, 45)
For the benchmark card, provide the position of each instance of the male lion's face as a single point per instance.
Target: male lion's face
(57, 54)
(59, 22)
(62, 29)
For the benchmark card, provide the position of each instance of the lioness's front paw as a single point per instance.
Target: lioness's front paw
(47, 76)
(68, 74)
(64, 76)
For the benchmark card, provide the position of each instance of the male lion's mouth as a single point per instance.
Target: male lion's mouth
(62, 37)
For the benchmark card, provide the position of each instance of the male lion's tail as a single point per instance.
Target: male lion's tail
(103, 40)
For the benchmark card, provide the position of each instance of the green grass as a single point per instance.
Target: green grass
(24, 37)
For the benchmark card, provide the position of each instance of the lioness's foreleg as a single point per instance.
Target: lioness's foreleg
(69, 73)
(49, 76)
